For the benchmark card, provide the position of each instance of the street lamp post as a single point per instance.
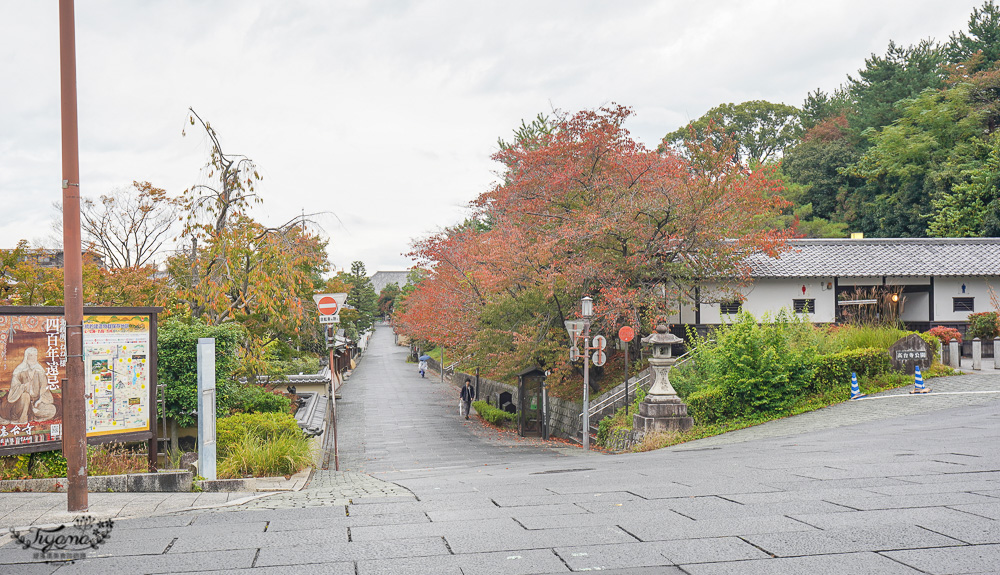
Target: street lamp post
(586, 311)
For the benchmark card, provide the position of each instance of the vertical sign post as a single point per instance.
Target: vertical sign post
(206, 407)
(626, 333)
(329, 305)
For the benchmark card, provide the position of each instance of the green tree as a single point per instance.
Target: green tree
(819, 106)
(885, 80)
(387, 299)
(761, 130)
(818, 163)
(363, 299)
(983, 36)
(939, 146)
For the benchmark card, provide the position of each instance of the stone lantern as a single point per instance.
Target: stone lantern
(662, 410)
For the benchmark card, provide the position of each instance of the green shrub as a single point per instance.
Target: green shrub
(177, 346)
(252, 398)
(833, 370)
(708, 405)
(492, 414)
(48, 464)
(984, 325)
(620, 418)
(756, 366)
(230, 431)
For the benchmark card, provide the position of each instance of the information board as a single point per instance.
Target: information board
(32, 365)
(116, 373)
(119, 358)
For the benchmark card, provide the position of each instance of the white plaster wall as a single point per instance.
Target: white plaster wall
(951, 287)
(768, 296)
(916, 307)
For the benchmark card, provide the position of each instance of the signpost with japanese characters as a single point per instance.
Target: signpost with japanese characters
(119, 348)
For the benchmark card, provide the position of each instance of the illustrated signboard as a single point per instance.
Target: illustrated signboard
(119, 376)
(32, 365)
(116, 373)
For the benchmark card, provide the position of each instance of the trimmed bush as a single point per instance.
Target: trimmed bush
(177, 344)
(835, 369)
(492, 414)
(253, 398)
(708, 405)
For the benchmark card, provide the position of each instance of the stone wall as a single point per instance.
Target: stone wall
(564, 416)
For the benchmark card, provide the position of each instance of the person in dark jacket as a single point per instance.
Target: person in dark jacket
(467, 395)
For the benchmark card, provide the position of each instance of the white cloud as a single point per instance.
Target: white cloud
(384, 113)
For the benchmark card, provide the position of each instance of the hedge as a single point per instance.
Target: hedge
(492, 414)
(835, 369)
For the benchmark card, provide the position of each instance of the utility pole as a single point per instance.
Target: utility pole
(74, 418)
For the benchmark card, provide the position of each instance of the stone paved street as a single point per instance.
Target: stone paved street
(907, 484)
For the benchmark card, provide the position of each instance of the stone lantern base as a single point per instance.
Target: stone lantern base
(658, 413)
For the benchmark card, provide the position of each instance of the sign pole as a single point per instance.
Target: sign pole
(74, 418)
(626, 379)
(586, 384)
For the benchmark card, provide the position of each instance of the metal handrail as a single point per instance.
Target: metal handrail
(597, 407)
(632, 386)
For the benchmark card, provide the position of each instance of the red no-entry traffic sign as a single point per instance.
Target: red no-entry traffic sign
(327, 305)
(626, 333)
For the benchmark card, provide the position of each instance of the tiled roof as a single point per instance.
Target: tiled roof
(381, 279)
(882, 257)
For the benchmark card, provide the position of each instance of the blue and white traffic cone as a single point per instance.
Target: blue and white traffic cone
(918, 382)
(855, 389)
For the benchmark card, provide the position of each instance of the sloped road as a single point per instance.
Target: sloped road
(870, 487)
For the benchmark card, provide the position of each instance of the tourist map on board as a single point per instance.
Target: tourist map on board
(116, 372)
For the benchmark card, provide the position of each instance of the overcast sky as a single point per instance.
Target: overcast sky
(386, 113)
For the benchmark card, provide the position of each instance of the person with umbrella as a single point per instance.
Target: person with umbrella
(423, 364)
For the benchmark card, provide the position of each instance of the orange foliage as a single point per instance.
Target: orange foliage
(588, 210)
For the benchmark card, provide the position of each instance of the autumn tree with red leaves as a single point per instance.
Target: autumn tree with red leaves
(583, 209)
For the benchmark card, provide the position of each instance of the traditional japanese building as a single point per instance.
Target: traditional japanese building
(923, 281)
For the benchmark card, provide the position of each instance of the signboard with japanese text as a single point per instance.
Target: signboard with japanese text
(32, 365)
(119, 362)
(116, 373)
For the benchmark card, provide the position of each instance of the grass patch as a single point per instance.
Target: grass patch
(261, 445)
(106, 459)
(256, 457)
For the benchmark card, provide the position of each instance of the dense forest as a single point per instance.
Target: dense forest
(905, 147)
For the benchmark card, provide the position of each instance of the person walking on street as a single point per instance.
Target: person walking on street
(422, 367)
(468, 394)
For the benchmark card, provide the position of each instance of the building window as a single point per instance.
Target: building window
(804, 305)
(963, 304)
(730, 307)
